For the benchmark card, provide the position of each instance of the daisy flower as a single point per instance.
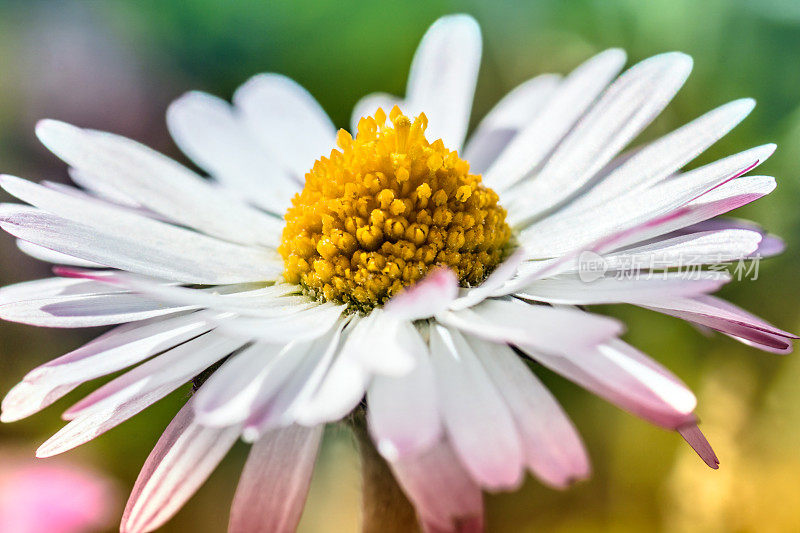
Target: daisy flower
(397, 271)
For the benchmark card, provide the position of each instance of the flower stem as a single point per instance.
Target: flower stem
(385, 509)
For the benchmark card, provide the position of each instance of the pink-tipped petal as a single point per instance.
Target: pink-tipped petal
(181, 461)
(119, 348)
(169, 369)
(570, 259)
(446, 499)
(692, 435)
(426, 298)
(723, 316)
(275, 481)
(136, 390)
(627, 378)
(553, 449)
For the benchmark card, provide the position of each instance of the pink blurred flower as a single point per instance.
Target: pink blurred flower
(53, 497)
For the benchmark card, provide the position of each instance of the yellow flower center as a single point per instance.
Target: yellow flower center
(383, 210)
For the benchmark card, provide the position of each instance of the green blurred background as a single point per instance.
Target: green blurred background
(116, 65)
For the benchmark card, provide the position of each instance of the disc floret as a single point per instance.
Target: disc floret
(384, 209)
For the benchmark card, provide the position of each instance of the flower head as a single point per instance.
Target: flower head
(405, 274)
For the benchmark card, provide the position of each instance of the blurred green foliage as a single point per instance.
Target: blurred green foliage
(115, 65)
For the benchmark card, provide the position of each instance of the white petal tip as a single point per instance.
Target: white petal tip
(250, 435)
(615, 56)
(461, 19)
(9, 416)
(20, 402)
(678, 58)
(44, 451)
(388, 450)
(15, 409)
(48, 128)
(744, 105)
(262, 81)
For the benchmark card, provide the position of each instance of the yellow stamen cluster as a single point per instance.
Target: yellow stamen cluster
(383, 210)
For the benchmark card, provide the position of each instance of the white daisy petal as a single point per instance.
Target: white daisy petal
(720, 224)
(86, 311)
(445, 497)
(117, 349)
(275, 481)
(134, 391)
(770, 244)
(702, 247)
(90, 198)
(48, 288)
(559, 233)
(208, 130)
(185, 455)
(726, 197)
(228, 395)
(626, 378)
(286, 119)
(169, 369)
(279, 388)
(477, 419)
(367, 106)
(101, 190)
(572, 290)
(158, 183)
(555, 330)
(278, 402)
(666, 155)
(443, 75)
(553, 449)
(251, 300)
(626, 107)
(507, 118)
(248, 380)
(570, 261)
(340, 389)
(164, 252)
(403, 414)
(384, 345)
(302, 324)
(537, 140)
(62, 302)
(92, 212)
(51, 256)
